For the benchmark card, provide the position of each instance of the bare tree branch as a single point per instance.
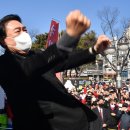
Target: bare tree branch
(109, 18)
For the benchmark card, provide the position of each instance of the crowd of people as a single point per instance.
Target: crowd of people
(110, 104)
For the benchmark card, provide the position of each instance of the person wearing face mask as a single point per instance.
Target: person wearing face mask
(113, 115)
(23, 41)
(37, 98)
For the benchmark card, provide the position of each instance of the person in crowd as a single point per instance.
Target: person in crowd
(128, 101)
(38, 100)
(3, 116)
(68, 85)
(125, 118)
(3, 99)
(94, 105)
(102, 113)
(113, 115)
(89, 98)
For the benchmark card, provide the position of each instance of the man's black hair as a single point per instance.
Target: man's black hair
(125, 105)
(3, 21)
(10, 17)
(100, 97)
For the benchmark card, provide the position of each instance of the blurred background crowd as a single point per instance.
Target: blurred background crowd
(114, 102)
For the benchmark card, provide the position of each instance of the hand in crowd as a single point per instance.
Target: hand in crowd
(104, 125)
(76, 23)
(123, 109)
(113, 114)
(102, 43)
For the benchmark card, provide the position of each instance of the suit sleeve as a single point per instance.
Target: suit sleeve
(76, 58)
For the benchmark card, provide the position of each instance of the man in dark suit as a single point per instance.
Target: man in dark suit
(102, 113)
(37, 98)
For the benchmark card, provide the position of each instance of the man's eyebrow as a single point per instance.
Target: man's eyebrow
(24, 27)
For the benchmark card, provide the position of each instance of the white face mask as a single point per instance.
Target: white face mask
(112, 106)
(23, 41)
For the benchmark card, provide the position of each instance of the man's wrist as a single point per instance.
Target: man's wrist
(92, 51)
(67, 42)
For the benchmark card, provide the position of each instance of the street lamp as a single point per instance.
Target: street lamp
(119, 48)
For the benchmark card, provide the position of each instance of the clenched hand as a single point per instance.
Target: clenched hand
(76, 23)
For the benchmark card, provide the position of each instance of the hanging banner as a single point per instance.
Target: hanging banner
(53, 33)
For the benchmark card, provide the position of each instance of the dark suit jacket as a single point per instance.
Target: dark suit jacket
(125, 121)
(37, 98)
(97, 124)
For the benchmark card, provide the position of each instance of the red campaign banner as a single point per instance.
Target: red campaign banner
(53, 33)
(53, 38)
